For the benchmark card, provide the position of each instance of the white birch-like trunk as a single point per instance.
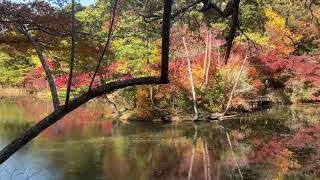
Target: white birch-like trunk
(205, 57)
(235, 84)
(191, 81)
(209, 60)
(219, 55)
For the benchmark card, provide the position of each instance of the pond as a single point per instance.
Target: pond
(279, 143)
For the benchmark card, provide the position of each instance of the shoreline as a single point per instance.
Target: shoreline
(162, 117)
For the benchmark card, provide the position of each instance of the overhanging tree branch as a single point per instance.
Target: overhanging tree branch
(61, 111)
(231, 9)
(155, 17)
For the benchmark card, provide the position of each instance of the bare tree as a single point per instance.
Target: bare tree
(235, 84)
(206, 80)
(107, 44)
(194, 98)
(205, 56)
(234, 155)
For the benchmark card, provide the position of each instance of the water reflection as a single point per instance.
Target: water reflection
(281, 143)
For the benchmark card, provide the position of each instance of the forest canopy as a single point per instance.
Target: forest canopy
(276, 32)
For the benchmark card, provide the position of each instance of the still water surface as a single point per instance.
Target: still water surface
(281, 143)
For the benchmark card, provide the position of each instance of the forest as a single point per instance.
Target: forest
(271, 50)
(159, 60)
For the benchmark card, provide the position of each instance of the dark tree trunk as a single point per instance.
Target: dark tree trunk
(73, 51)
(166, 41)
(233, 28)
(52, 84)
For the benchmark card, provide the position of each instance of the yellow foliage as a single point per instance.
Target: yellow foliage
(230, 70)
(155, 56)
(279, 35)
(197, 76)
(123, 68)
(197, 71)
(274, 18)
(286, 161)
(35, 60)
(143, 103)
(257, 38)
(116, 44)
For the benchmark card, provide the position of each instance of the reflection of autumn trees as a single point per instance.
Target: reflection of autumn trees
(150, 159)
(298, 151)
(147, 152)
(92, 114)
(303, 138)
(281, 143)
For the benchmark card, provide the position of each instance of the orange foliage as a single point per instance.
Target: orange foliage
(252, 72)
(238, 102)
(257, 84)
(143, 103)
(279, 35)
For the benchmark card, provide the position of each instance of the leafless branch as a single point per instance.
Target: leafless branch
(309, 6)
(72, 55)
(112, 18)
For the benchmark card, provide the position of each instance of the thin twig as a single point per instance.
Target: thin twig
(72, 56)
(107, 44)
